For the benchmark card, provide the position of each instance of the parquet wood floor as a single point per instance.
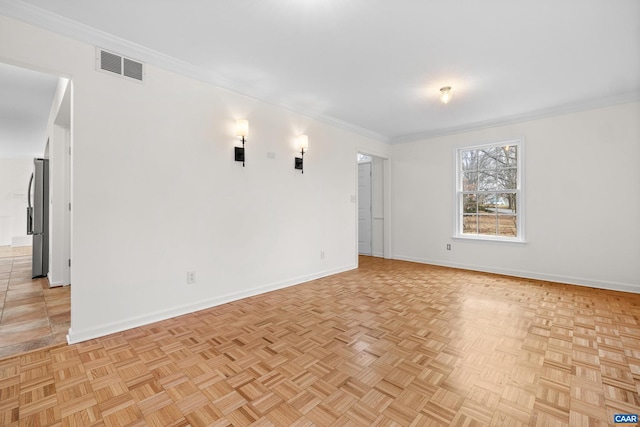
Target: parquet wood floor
(32, 315)
(390, 344)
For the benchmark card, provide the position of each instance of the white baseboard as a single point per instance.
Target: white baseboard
(55, 284)
(569, 280)
(17, 241)
(75, 337)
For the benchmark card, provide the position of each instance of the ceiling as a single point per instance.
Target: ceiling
(376, 66)
(24, 110)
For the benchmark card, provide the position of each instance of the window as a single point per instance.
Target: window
(489, 200)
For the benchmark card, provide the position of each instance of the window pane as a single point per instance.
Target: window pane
(469, 181)
(469, 160)
(506, 179)
(513, 155)
(486, 181)
(507, 226)
(487, 224)
(507, 203)
(470, 224)
(501, 156)
(487, 158)
(469, 203)
(486, 203)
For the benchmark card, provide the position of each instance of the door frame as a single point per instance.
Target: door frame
(68, 167)
(386, 199)
(370, 166)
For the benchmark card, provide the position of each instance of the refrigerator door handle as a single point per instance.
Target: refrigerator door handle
(29, 208)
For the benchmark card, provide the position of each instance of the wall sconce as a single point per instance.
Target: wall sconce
(445, 94)
(303, 145)
(242, 130)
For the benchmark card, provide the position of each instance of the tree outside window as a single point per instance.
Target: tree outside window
(489, 191)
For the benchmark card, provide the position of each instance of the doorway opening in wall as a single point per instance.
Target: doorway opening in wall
(35, 301)
(371, 205)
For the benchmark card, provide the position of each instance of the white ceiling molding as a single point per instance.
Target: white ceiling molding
(55, 23)
(403, 112)
(518, 118)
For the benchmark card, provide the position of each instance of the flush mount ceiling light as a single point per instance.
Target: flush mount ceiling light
(445, 94)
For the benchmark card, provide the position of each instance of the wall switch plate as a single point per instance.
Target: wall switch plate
(448, 246)
(191, 277)
(321, 254)
(271, 155)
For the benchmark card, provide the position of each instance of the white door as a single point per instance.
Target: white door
(364, 208)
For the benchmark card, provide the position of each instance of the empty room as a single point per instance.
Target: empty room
(326, 212)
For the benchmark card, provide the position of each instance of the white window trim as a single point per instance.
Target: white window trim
(520, 190)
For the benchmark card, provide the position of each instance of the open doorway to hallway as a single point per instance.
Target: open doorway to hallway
(371, 205)
(35, 118)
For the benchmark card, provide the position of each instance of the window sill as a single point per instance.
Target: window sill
(489, 239)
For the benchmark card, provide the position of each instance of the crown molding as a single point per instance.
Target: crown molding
(29, 14)
(518, 118)
(41, 18)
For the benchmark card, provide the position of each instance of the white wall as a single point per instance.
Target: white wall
(156, 192)
(14, 182)
(582, 200)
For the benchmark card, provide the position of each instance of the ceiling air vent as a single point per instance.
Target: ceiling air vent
(117, 64)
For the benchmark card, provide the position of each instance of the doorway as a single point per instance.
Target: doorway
(365, 212)
(372, 206)
(36, 108)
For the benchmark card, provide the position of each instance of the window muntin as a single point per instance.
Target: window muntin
(489, 191)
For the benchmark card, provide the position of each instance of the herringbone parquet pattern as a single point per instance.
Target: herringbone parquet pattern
(392, 343)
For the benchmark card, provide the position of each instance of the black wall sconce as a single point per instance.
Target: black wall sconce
(303, 145)
(242, 130)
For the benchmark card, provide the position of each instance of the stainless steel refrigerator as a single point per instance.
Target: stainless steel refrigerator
(38, 216)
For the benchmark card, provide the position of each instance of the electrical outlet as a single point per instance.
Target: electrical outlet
(271, 155)
(448, 246)
(191, 277)
(353, 199)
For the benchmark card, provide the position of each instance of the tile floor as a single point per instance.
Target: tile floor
(32, 315)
